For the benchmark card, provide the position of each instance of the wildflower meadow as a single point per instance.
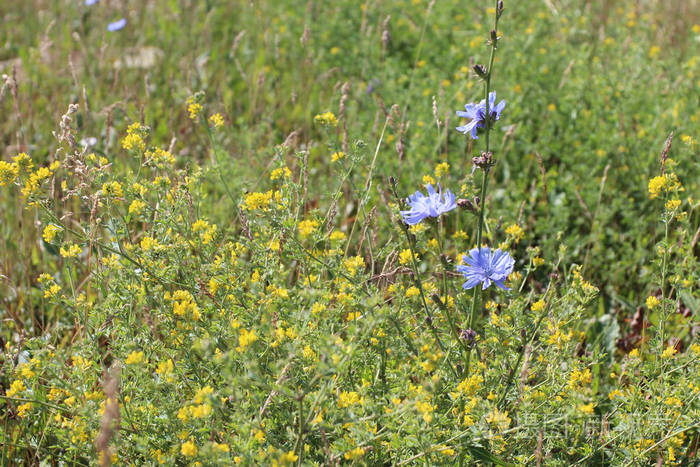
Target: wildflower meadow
(351, 232)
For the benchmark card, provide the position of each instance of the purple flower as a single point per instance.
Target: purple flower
(477, 114)
(90, 2)
(433, 205)
(484, 266)
(117, 25)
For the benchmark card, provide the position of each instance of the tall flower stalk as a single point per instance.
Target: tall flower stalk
(485, 120)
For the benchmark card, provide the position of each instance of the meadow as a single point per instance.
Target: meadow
(370, 232)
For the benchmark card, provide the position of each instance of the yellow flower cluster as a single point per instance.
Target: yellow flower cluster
(16, 387)
(149, 243)
(255, 200)
(50, 232)
(245, 338)
(136, 207)
(8, 173)
(516, 232)
(579, 378)
(287, 458)
(134, 358)
(160, 156)
(337, 236)
(188, 448)
(326, 119)
(405, 256)
(183, 304)
(307, 227)
(112, 190)
(216, 120)
(585, 286)
(355, 453)
(35, 178)
(346, 399)
(673, 204)
(354, 264)
(281, 172)
(165, 369)
(499, 419)
(441, 169)
(652, 302)
(206, 231)
(469, 386)
(669, 352)
(426, 409)
(71, 252)
(134, 137)
(194, 108)
(664, 184)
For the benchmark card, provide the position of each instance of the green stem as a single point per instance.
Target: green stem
(419, 285)
(299, 445)
(485, 178)
(664, 267)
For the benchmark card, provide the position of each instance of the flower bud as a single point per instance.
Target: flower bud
(480, 71)
(468, 335)
(484, 160)
(494, 36)
(464, 203)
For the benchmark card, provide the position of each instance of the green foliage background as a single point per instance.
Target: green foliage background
(593, 90)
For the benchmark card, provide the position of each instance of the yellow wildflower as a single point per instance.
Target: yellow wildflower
(441, 169)
(112, 190)
(245, 338)
(189, 448)
(353, 264)
(282, 172)
(23, 409)
(405, 256)
(515, 231)
(50, 232)
(346, 399)
(193, 108)
(71, 252)
(134, 358)
(136, 207)
(326, 119)
(673, 204)
(669, 352)
(288, 458)
(16, 387)
(354, 453)
(307, 227)
(8, 173)
(221, 447)
(253, 201)
(216, 120)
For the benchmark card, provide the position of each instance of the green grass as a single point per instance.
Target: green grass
(593, 90)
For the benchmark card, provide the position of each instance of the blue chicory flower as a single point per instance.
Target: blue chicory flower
(90, 2)
(477, 114)
(484, 266)
(117, 25)
(433, 205)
